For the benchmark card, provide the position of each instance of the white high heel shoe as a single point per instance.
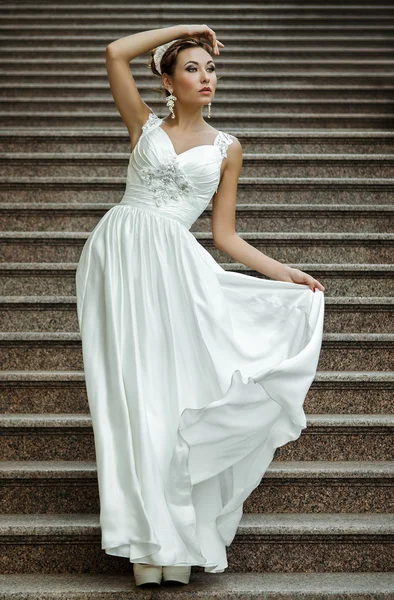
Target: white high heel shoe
(147, 574)
(174, 574)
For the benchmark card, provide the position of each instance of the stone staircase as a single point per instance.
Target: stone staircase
(307, 88)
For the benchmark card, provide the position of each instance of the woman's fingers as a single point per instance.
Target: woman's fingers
(203, 31)
(318, 285)
(215, 41)
(314, 283)
(297, 276)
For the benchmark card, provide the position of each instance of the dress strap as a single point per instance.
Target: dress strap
(151, 121)
(223, 141)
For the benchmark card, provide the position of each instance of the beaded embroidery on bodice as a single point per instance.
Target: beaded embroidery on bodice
(179, 186)
(167, 182)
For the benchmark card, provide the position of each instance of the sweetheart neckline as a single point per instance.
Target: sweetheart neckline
(186, 151)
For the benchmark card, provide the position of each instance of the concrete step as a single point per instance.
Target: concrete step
(339, 392)
(342, 437)
(223, 64)
(282, 13)
(294, 142)
(58, 313)
(296, 50)
(52, 246)
(324, 486)
(263, 190)
(356, 315)
(294, 247)
(253, 585)
(271, 6)
(280, 217)
(154, 18)
(287, 487)
(234, 41)
(263, 543)
(18, 216)
(263, 120)
(115, 25)
(112, 29)
(342, 392)
(356, 351)
(50, 350)
(98, 93)
(360, 280)
(107, 164)
(311, 106)
(269, 76)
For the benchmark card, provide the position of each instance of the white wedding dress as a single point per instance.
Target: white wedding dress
(194, 374)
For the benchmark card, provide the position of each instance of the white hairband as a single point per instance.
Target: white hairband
(158, 55)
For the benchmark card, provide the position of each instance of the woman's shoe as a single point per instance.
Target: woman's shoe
(147, 574)
(173, 574)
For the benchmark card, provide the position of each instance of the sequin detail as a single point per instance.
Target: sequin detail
(223, 142)
(166, 181)
(151, 120)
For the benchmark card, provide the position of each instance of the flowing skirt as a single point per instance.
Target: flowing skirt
(194, 376)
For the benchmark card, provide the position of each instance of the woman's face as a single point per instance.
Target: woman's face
(194, 70)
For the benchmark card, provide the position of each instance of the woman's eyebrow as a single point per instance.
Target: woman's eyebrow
(196, 63)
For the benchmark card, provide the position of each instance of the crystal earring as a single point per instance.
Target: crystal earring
(209, 110)
(170, 103)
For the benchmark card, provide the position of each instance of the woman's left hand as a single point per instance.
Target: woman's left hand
(297, 276)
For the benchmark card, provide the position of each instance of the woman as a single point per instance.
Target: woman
(194, 374)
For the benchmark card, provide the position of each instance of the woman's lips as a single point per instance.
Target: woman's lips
(205, 91)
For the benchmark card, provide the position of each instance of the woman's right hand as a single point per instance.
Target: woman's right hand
(204, 31)
(297, 276)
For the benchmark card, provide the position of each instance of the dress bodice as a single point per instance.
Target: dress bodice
(176, 185)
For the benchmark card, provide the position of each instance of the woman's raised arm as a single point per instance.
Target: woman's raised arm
(133, 110)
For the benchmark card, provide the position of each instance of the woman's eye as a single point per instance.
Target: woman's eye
(211, 68)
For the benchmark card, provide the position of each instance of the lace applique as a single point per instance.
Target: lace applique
(151, 120)
(167, 181)
(223, 142)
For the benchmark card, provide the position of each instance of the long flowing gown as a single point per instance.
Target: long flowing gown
(194, 374)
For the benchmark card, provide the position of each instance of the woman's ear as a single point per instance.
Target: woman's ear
(166, 81)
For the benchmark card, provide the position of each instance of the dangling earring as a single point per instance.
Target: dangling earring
(170, 103)
(209, 110)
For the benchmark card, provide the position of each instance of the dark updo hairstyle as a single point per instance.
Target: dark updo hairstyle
(168, 60)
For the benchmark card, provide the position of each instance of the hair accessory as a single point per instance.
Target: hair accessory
(158, 55)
